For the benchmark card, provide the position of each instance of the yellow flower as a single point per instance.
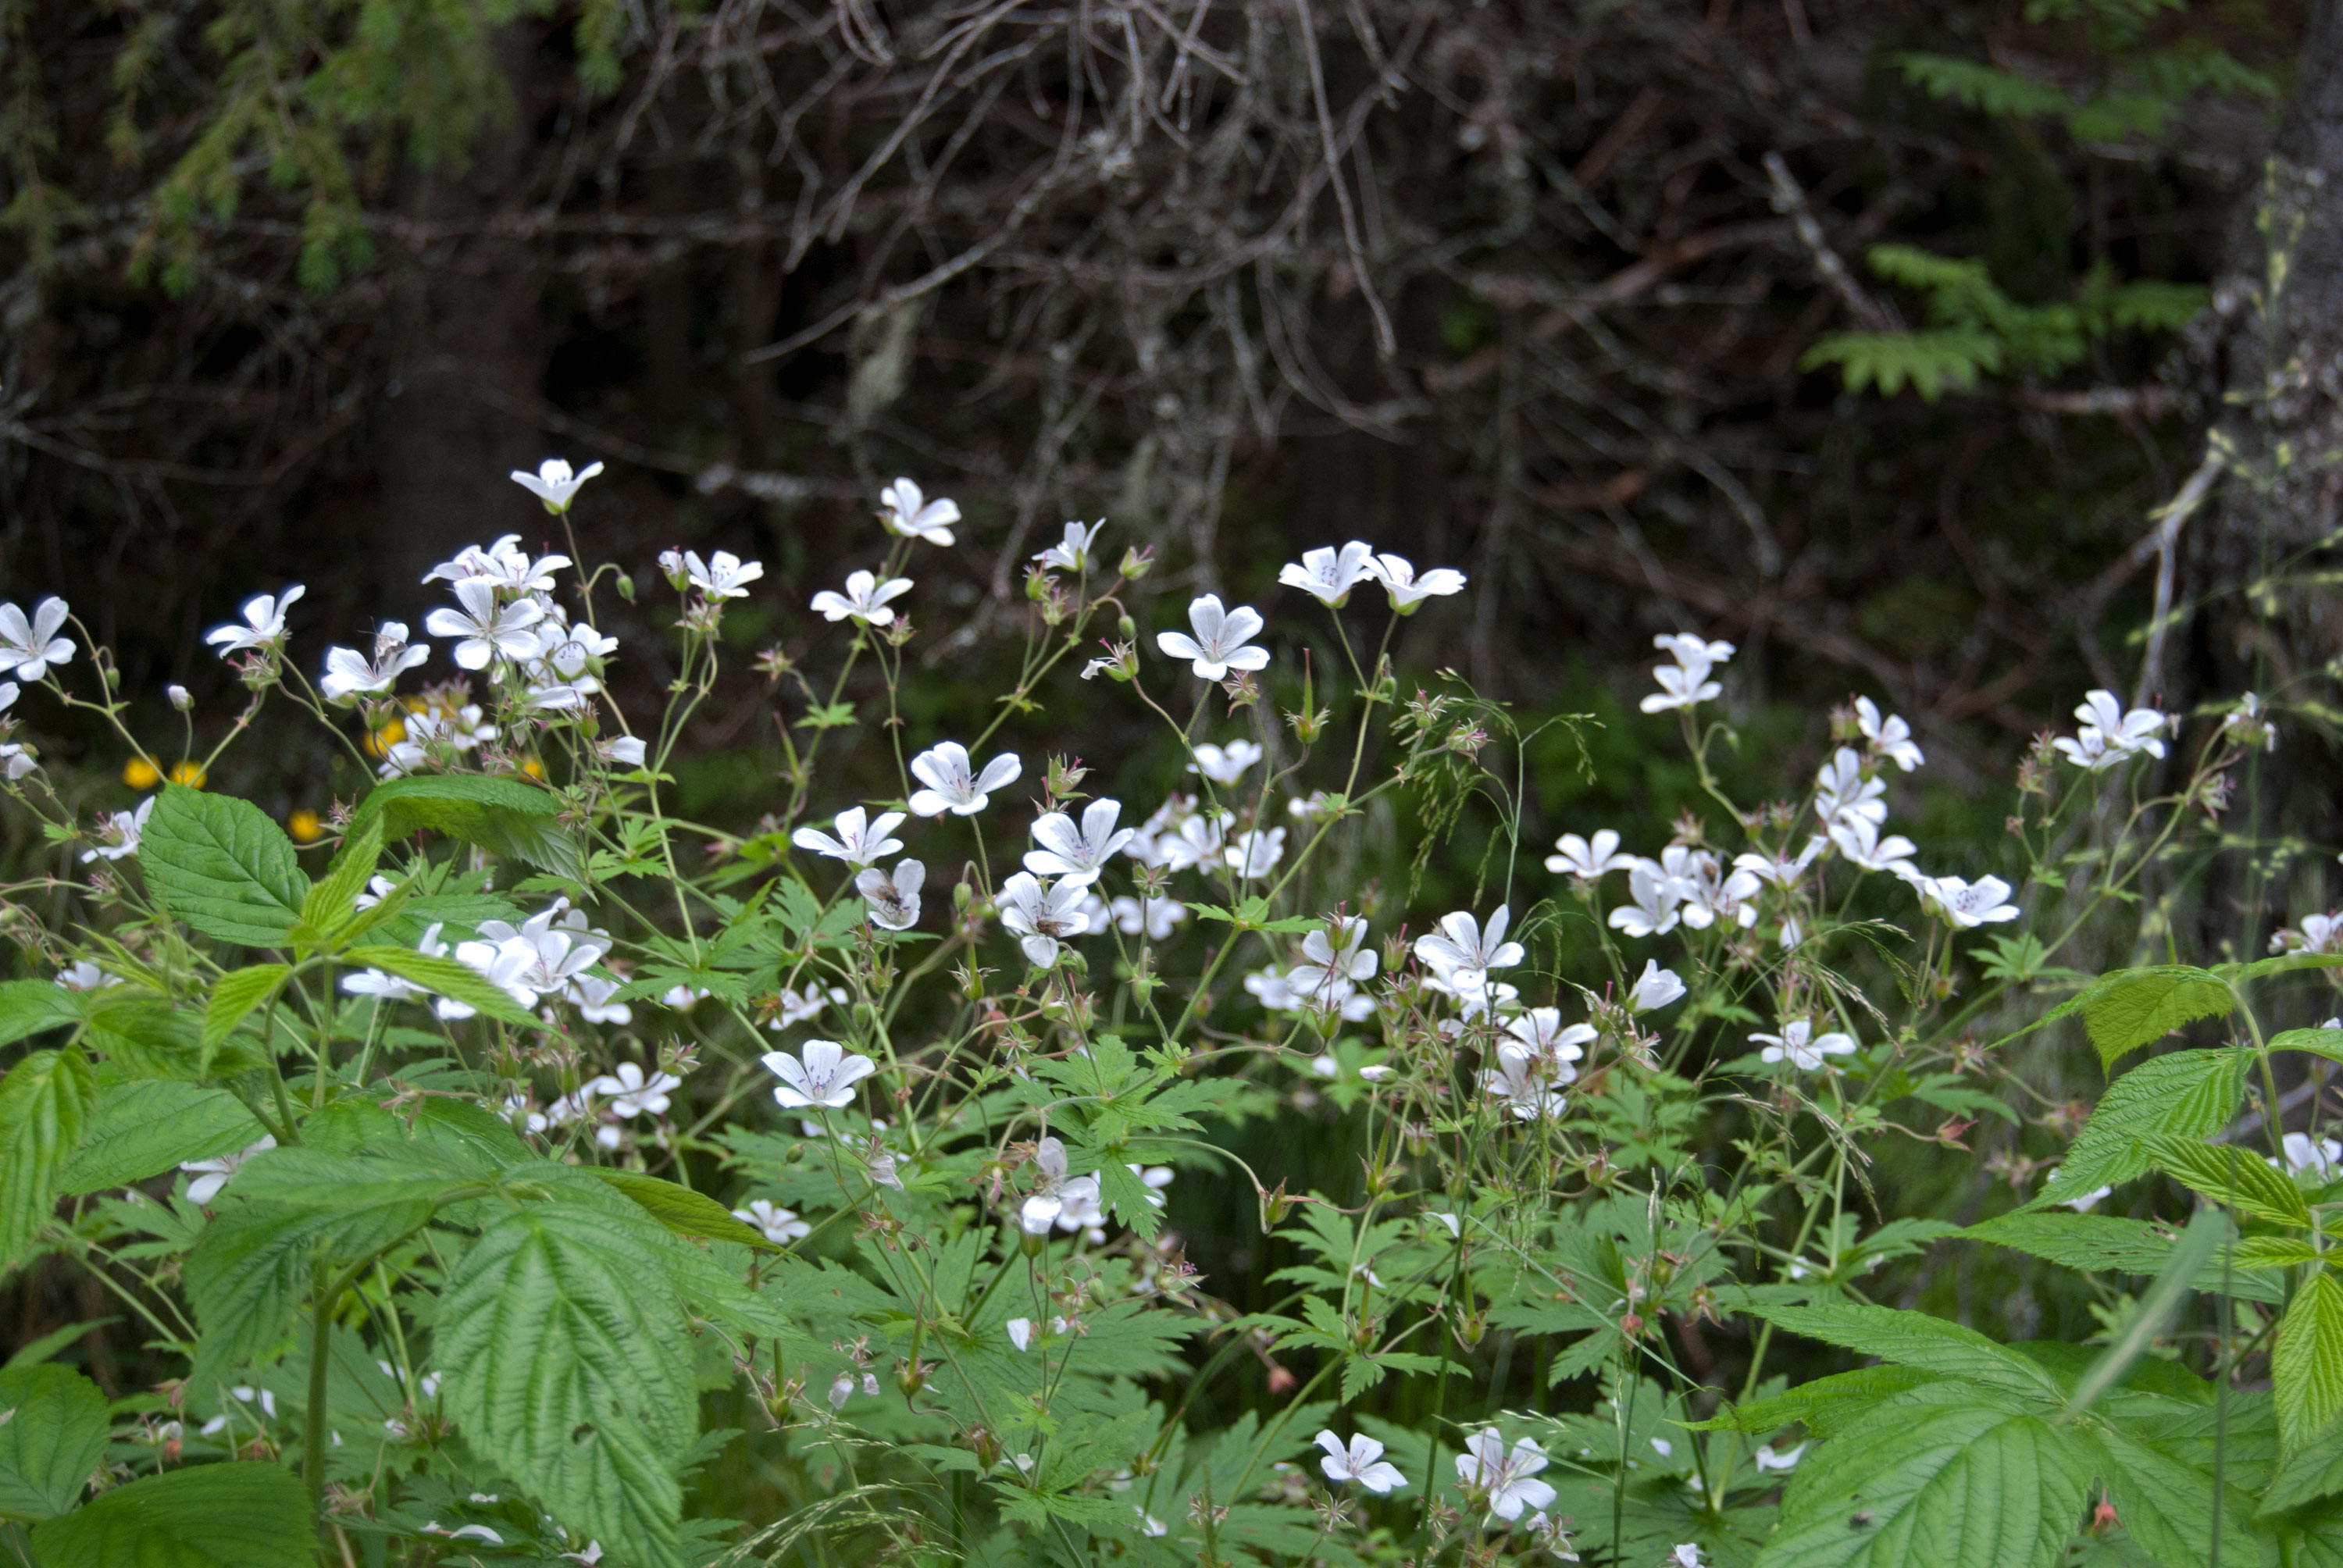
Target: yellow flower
(533, 767)
(379, 742)
(139, 774)
(304, 826)
(190, 774)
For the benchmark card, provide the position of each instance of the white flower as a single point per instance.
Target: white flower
(865, 598)
(1654, 987)
(633, 1093)
(1506, 1479)
(503, 564)
(1679, 687)
(1149, 1525)
(1768, 1459)
(504, 965)
(1041, 915)
(1196, 841)
(1527, 1082)
(803, 1007)
(1078, 855)
(860, 838)
(2088, 749)
(953, 784)
(348, 673)
(1072, 553)
(1461, 953)
(1588, 859)
(722, 575)
(1841, 790)
(2082, 1205)
(627, 751)
(1158, 919)
(2320, 1157)
(591, 994)
(2249, 722)
(1890, 736)
(119, 834)
(1798, 1045)
(1361, 1459)
(1656, 902)
(1695, 654)
(264, 623)
(894, 901)
(487, 630)
(823, 1074)
(1327, 574)
(83, 975)
(1543, 1035)
(905, 511)
(1049, 1200)
(1326, 965)
(1407, 590)
(31, 646)
(1686, 1555)
(211, 1175)
(2125, 733)
(1778, 870)
(1859, 840)
(1224, 764)
(553, 483)
(1256, 852)
(1021, 1333)
(1968, 904)
(1220, 641)
(781, 1226)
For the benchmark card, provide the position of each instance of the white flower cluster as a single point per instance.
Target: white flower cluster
(550, 956)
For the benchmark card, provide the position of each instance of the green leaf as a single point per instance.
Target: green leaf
(2166, 1502)
(335, 897)
(2326, 1042)
(44, 1103)
(1823, 1406)
(451, 978)
(2227, 1174)
(144, 1128)
(1937, 1476)
(209, 1516)
(2187, 1094)
(34, 1351)
(55, 1436)
(2207, 1230)
(2133, 1008)
(2103, 1242)
(1977, 85)
(29, 1007)
(2314, 1471)
(1131, 1199)
(504, 816)
(683, 1210)
(1917, 1341)
(562, 1344)
(2307, 1367)
(220, 865)
(1930, 360)
(233, 996)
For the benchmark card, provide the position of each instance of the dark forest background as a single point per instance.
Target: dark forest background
(1586, 298)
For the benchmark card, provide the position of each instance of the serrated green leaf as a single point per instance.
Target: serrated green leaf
(44, 1103)
(233, 996)
(2316, 1470)
(144, 1128)
(683, 1210)
(2187, 1094)
(2153, 1310)
(2102, 1243)
(1940, 1476)
(1824, 1406)
(28, 1007)
(221, 866)
(54, 1437)
(1131, 1199)
(208, 1517)
(2227, 1174)
(2166, 1502)
(1977, 85)
(561, 1341)
(451, 978)
(2132, 1007)
(1920, 1341)
(2307, 1367)
(504, 816)
(335, 898)
(2326, 1042)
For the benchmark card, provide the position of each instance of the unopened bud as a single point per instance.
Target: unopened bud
(181, 698)
(1126, 627)
(962, 897)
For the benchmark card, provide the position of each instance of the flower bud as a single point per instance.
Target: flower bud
(1135, 563)
(1126, 629)
(181, 698)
